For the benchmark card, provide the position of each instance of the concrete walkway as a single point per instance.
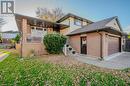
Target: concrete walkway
(119, 62)
(3, 56)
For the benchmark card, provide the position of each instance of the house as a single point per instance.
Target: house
(97, 39)
(7, 36)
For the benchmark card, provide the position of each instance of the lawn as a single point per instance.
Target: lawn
(16, 71)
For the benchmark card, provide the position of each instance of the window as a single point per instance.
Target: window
(77, 22)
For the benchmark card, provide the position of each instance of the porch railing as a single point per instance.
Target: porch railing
(34, 39)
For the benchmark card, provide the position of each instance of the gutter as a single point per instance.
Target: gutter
(100, 45)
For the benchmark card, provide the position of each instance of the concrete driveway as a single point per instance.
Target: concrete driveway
(121, 61)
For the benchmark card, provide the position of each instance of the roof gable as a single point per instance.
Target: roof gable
(115, 24)
(74, 16)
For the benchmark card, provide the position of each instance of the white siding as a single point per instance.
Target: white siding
(114, 24)
(70, 21)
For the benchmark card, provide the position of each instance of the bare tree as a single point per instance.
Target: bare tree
(50, 15)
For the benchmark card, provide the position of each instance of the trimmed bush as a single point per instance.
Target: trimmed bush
(54, 42)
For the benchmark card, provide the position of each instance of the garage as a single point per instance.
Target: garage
(113, 45)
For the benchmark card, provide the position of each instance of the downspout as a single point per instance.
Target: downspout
(22, 45)
(100, 44)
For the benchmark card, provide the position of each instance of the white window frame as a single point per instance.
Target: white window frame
(77, 22)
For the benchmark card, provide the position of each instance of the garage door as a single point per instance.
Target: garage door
(113, 45)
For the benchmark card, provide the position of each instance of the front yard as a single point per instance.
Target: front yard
(57, 70)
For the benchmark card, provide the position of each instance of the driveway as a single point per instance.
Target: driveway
(119, 62)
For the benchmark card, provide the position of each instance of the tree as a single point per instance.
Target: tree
(50, 15)
(129, 36)
(17, 38)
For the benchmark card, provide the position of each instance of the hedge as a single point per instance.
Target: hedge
(54, 42)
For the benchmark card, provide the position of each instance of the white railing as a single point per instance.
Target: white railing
(68, 50)
(33, 39)
(65, 50)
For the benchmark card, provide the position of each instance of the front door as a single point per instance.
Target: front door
(83, 45)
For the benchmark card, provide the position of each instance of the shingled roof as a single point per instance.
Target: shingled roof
(100, 25)
(74, 16)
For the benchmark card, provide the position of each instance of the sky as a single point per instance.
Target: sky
(94, 10)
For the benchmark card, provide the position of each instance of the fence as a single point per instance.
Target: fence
(127, 45)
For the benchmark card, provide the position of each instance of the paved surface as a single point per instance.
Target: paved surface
(3, 56)
(119, 62)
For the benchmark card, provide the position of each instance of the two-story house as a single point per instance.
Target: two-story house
(97, 39)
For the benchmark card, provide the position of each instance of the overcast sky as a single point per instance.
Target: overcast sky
(91, 9)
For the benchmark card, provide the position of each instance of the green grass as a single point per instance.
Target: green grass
(4, 51)
(31, 72)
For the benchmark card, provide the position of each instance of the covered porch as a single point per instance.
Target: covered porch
(32, 32)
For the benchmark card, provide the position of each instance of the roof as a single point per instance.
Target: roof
(10, 31)
(32, 19)
(74, 16)
(100, 25)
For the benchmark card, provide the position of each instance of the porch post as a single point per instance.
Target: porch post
(24, 35)
(24, 30)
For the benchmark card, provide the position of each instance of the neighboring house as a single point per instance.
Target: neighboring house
(7, 36)
(97, 39)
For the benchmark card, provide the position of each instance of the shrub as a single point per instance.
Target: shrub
(17, 38)
(129, 36)
(54, 42)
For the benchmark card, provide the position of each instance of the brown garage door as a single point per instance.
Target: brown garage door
(113, 45)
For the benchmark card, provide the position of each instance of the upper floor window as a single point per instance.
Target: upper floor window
(77, 22)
